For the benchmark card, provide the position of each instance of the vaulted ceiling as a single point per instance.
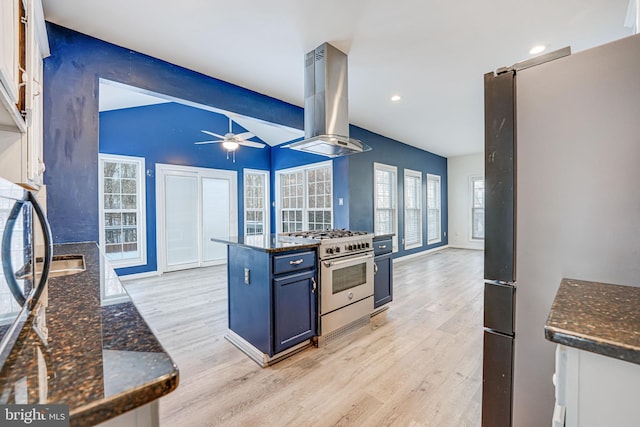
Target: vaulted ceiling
(433, 53)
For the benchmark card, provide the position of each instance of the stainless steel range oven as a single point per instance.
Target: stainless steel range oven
(346, 279)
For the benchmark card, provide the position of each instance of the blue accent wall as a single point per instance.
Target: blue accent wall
(165, 133)
(394, 153)
(73, 128)
(71, 119)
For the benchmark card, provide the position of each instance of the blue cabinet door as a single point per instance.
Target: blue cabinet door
(294, 309)
(382, 280)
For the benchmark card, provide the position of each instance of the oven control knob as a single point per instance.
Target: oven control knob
(329, 250)
(366, 245)
(350, 247)
(337, 249)
(350, 295)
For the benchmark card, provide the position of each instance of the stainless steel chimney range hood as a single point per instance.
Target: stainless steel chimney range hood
(326, 105)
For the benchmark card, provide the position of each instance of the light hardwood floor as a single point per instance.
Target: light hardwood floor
(417, 364)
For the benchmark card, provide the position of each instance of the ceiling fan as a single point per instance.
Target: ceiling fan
(231, 141)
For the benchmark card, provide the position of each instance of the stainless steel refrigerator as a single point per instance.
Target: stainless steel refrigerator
(562, 183)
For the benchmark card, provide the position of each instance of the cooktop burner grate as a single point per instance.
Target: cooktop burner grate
(325, 234)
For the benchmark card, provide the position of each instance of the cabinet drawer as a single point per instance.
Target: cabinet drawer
(382, 246)
(293, 262)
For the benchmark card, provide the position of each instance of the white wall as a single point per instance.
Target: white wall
(460, 170)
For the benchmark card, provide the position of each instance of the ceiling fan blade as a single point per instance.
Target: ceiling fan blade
(252, 144)
(206, 142)
(213, 134)
(244, 135)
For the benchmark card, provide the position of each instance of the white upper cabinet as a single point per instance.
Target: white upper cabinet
(37, 49)
(9, 63)
(23, 45)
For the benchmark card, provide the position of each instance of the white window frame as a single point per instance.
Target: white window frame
(305, 209)
(437, 179)
(394, 188)
(412, 174)
(265, 206)
(141, 222)
(472, 180)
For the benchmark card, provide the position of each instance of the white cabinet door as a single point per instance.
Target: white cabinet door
(9, 48)
(37, 49)
(598, 390)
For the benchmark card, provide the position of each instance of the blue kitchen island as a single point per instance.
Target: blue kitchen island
(272, 291)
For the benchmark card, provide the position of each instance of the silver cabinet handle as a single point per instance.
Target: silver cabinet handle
(314, 286)
(375, 268)
(296, 262)
(382, 247)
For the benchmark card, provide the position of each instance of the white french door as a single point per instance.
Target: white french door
(192, 206)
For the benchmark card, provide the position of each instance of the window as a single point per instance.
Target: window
(385, 220)
(433, 209)
(122, 213)
(412, 209)
(306, 198)
(477, 208)
(256, 202)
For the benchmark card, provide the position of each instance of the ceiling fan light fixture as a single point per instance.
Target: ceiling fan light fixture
(230, 145)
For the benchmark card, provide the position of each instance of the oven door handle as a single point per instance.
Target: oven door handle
(329, 264)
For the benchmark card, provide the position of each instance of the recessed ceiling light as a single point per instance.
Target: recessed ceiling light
(537, 49)
(396, 98)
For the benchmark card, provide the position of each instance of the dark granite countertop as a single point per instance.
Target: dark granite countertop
(95, 354)
(269, 243)
(597, 317)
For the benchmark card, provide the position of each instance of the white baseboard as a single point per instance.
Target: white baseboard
(136, 276)
(259, 357)
(417, 254)
(475, 248)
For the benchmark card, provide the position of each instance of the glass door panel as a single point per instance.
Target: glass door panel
(181, 204)
(215, 217)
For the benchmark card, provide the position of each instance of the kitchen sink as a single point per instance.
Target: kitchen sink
(61, 265)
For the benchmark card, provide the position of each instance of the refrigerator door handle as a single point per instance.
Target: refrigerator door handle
(48, 249)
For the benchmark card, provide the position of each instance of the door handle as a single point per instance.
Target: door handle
(296, 262)
(375, 268)
(314, 286)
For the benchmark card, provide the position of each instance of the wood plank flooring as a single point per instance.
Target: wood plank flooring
(417, 364)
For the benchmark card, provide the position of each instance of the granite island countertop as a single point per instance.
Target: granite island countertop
(97, 356)
(598, 317)
(269, 243)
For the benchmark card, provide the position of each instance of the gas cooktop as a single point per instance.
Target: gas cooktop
(325, 234)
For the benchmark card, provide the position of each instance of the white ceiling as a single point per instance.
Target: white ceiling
(116, 96)
(431, 52)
